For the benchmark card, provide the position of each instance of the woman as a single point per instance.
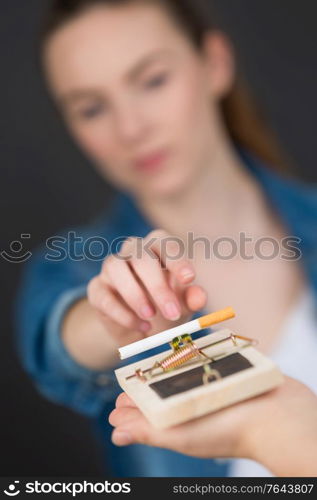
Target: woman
(149, 90)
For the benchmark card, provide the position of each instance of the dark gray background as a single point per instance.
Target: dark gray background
(46, 185)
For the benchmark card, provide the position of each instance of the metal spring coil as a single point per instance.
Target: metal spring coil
(179, 357)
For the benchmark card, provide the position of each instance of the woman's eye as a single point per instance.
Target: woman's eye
(92, 111)
(157, 81)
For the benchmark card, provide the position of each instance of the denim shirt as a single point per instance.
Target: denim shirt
(50, 287)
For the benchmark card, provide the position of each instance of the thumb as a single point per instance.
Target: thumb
(131, 427)
(195, 297)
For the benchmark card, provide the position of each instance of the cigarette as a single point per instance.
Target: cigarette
(167, 335)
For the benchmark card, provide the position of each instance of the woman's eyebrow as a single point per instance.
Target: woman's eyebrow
(146, 61)
(77, 95)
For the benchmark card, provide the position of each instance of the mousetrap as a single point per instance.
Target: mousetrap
(196, 376)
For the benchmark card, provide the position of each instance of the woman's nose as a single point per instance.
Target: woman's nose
(131, 124)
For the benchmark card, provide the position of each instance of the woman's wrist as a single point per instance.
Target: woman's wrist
(86, 339)
(294, 456)
(284, 437)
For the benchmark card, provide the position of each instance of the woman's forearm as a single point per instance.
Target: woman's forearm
(86, 338)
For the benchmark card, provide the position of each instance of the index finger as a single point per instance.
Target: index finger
(171, 252)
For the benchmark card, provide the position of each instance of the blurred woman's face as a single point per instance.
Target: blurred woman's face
(137, 96)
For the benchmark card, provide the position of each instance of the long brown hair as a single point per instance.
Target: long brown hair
(244, 120)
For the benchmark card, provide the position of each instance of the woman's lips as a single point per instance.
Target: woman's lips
(151, 162)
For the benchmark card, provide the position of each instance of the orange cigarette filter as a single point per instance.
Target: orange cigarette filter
(216, 317)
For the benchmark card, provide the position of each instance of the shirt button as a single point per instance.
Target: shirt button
(104, 379)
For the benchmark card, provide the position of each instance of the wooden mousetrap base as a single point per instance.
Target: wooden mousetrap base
(183, 394)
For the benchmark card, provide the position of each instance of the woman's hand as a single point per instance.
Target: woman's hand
(140, 291)
(277, 429)
(143, 289)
